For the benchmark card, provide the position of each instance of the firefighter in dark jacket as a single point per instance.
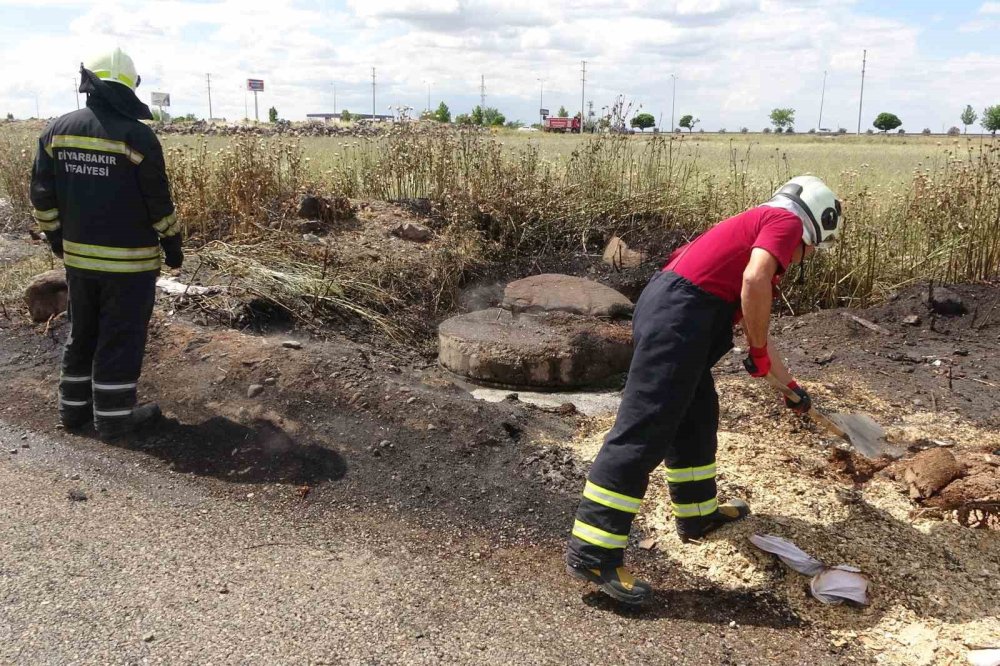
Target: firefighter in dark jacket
(683, 325)
(100, 193)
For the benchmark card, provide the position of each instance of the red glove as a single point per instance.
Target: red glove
(758, 362)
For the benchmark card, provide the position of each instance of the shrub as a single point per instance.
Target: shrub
(766, 130)
(926, 130)
(779, 130)
(954, 131)
(744, 130)
(722, 130)
(841, 130)
(812, 130)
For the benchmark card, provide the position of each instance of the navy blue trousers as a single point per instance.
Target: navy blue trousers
(669, 413)
(109, 316)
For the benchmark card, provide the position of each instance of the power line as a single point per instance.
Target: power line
(861, 99)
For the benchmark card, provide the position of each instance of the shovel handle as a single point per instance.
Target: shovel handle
(815, 415)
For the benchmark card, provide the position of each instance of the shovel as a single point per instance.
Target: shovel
(859, 430)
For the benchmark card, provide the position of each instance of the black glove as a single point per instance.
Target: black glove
(805, 402)
(55, 242)
(172, 251)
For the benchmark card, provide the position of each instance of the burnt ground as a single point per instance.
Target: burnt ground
(376, 435)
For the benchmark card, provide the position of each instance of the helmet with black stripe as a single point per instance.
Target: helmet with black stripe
(817, 207)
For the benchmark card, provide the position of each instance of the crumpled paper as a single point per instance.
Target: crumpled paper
(174, 287)
(830, 585)
(984, 657)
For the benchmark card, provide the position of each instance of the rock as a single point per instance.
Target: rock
(944, 301)
(411, 231)
(47, 295)
(312, 239)
(76, 495)
(149, 638)
(911, 320)
(929, 471)
(255, 390)
(291, 344)
(618, 255)
(547, 350)
(325, 210)
(270, 381)
(551, 292)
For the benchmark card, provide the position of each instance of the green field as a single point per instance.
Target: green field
(879, 160)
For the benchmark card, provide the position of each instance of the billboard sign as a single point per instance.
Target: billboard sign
(543, 112)
(160, 99)
(255, 85)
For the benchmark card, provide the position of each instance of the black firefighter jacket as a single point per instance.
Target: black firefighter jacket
(99, 186)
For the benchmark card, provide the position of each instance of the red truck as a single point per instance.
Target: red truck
(550, 124)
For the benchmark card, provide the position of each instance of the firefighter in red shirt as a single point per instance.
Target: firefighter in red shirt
(683, 325)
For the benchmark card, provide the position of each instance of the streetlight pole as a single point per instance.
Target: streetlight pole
(822, 98)
(673, 100)
(541, 100)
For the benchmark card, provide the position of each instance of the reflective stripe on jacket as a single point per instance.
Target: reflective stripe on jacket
(100, 183)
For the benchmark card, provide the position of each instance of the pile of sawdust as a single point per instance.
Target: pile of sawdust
(934, 585)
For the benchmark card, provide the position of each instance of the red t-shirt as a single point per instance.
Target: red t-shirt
(716, 259)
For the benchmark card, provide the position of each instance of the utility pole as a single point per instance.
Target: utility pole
(583, 94)
(334, 99)
(822, 98)
(428, 96)
(673, 100)
(861, 99)
(246, 106)
(373, 93)
(541, 100)
(208, 80)
(76, 89)
(482, 92)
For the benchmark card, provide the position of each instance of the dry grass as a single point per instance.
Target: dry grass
(16, 156)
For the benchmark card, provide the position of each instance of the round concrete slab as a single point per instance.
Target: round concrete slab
(553, 350)
(552, 292)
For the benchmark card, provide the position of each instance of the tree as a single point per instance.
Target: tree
(514, 124)
(643, 121)
(346, 116)
(443, 113)
(991, 119)
(563, 113)
(688, 122)
(968, 117)
(477, 116)
(463, 119)
(886, 121)
(954, 131)
(782, 118)
(272, 115)
(10, 116)
(492, 117)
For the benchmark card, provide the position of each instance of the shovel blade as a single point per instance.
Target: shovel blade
(865, 435)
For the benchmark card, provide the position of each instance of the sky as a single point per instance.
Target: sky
(734, 60)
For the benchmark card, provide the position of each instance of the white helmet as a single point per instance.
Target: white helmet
(821, 208)
(116, 67)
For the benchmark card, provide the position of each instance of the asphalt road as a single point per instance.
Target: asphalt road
(166, 568)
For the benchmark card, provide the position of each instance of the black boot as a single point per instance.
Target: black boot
(616, 582)
(694, 528)
(141, 416)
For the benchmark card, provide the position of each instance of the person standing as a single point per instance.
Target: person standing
(682, 326)
(100, 194)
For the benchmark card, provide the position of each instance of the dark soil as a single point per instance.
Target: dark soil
(944, 363)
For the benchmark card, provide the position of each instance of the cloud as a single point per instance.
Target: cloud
(734, 59)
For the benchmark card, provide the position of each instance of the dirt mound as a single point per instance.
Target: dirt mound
(913, 357)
